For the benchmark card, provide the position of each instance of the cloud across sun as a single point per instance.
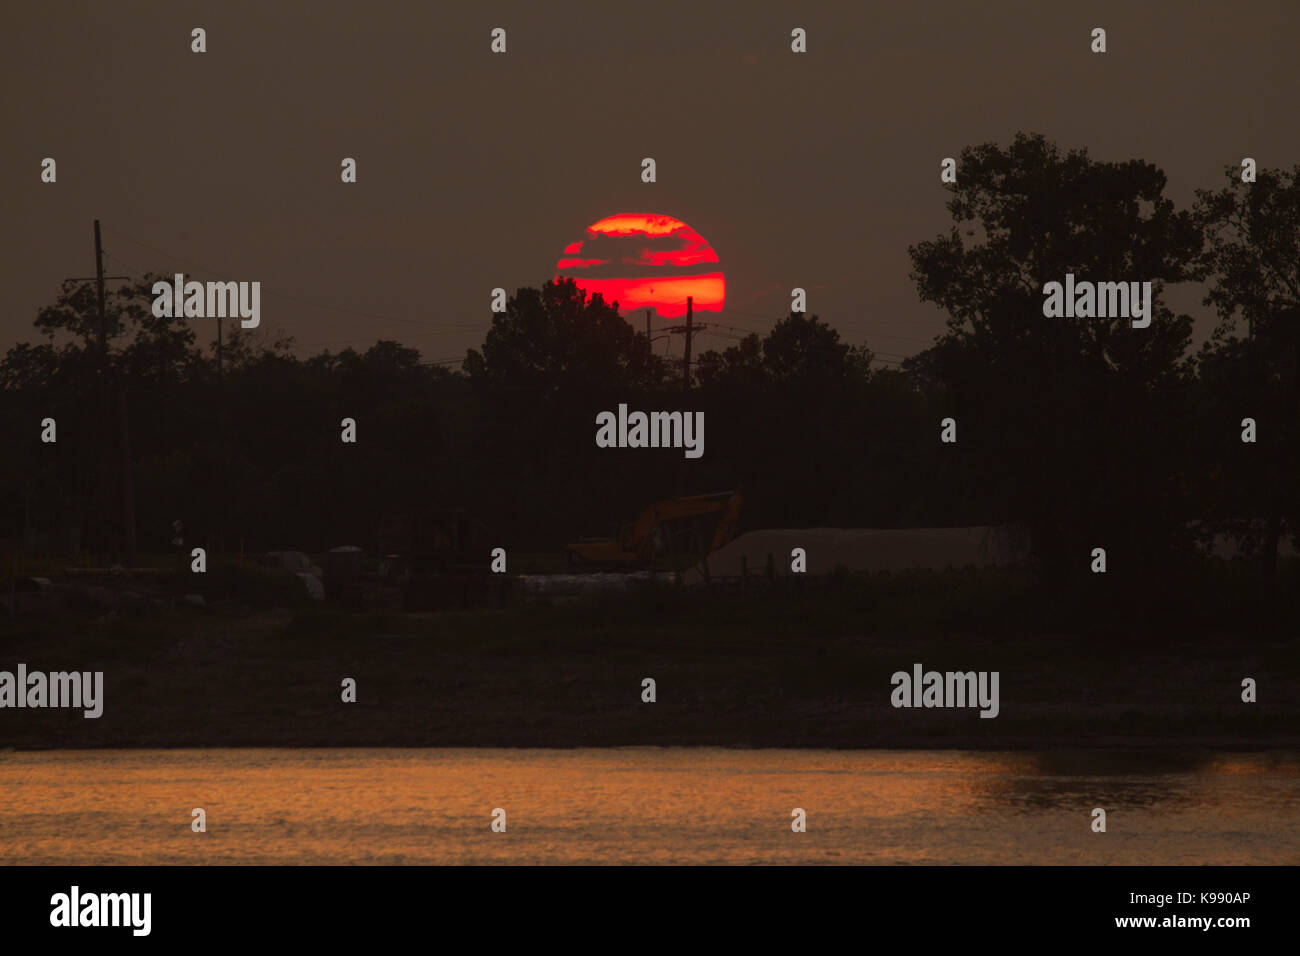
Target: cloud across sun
(646, 261)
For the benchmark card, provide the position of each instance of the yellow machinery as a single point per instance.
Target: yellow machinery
(672, 531)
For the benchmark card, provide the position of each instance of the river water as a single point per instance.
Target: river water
(647, 805)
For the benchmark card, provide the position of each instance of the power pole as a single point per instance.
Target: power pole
(686, 381)
(98, 278)
(106, 393)
(649, 350)
(104, 382)
(686, 363)
(690, 328)
(99, 283)
(128, 483)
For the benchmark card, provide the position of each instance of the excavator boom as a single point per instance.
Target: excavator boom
(665, 528)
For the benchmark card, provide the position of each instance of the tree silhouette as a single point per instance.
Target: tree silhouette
(556, 340)
(1252, 259)
(1075, 416)
(793, 424)
(548, 364)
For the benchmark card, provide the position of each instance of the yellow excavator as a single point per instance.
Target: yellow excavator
(674, 531)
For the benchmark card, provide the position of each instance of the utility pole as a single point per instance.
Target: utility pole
(128, 483)
(649, 350)
(686, 363)
(105, 384)
(222, 432)
(690, 328)
(99, 283)
(106, 391)
(98, 278)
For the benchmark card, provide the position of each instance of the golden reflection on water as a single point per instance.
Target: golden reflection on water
(646, 805)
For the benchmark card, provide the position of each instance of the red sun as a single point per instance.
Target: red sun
(646, 261)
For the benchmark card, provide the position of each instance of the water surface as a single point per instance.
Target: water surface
(646, 805)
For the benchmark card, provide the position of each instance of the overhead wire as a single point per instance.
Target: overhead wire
(711, 327)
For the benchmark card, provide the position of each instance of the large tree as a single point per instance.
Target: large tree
(1074, 420)
(549, 363)
(1252, 363)
(92, 369)
(556, 339)
(794, 426)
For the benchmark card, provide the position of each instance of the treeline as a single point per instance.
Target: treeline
(1087, 432)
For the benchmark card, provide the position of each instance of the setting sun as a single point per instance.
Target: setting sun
(646, 261)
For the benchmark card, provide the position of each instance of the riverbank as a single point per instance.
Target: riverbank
(789, 670)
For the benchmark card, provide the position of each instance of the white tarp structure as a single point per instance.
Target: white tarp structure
(315, 588)
(296, 561)
(300, 564)
(866, 549)
(1224, 545)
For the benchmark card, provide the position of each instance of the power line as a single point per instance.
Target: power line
(909, 340)
(441, 326)
(896, 360)
(774, 321)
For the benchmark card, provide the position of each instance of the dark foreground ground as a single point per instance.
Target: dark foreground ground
(785, 669)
